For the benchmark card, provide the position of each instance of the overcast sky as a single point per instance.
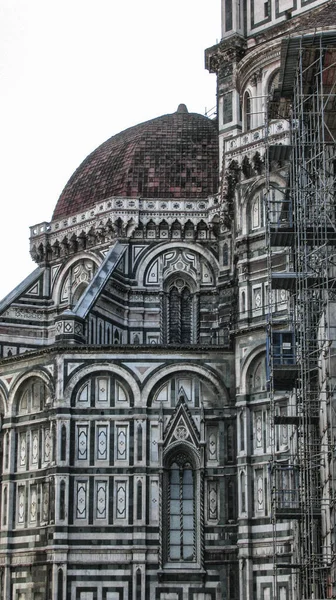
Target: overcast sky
(75, 72)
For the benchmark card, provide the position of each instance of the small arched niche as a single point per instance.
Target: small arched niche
(32, 396)
(256, 375)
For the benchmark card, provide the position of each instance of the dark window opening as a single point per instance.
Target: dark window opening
(185, 316)
(242, 432)
(139, 443)
(225, 255)
(247, 111)
(60, 585)
(63, 442)
(62, 501)
(138, 583)
(182, 512)
(139, 501)
(230, 443)
(180, 316)
(230, 501)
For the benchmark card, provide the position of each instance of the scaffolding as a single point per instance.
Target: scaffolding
(301, 357)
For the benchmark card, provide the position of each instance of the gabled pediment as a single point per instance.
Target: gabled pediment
(181, 427)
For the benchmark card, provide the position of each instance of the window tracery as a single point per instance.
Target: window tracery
(256, 375)
(181, 509)
(180, 312)
(33, 396)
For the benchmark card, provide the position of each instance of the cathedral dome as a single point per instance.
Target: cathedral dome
(173, 156)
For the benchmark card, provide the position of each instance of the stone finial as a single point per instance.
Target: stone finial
(182, 109)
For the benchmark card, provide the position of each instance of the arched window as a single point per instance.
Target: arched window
(139, 442)
(180, 307)
(4, 507)
(225, 255)
(33, 396)
(258, 210)
(139, 500)
(256, 375)
(185, 316)
(230, 501)
(138, 584)
(174, 315)
(60, 585)
(181, 499)
(62, 501)
(242, 492)
(242, 432)
(243, 302)
(63, 442)
(247, 111)
(6, 449)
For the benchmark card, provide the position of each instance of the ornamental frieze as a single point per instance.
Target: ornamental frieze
(24, 313)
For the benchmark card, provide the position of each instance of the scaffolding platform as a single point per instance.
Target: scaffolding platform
(288, 566)
(288, 513)
(285, 376)
(320, 235)
(282, 235)
(287, 280)
(285, 420)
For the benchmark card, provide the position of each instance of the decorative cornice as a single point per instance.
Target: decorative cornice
(122, 219)
(140, 350)
(254, 61)
(228, 50)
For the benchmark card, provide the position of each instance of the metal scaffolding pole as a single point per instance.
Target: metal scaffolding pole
(307, 227)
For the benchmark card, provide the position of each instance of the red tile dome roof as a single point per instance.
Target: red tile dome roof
(173, 156)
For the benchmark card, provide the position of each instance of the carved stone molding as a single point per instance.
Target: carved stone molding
(229, 50)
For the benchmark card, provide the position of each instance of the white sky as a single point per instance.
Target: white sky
(75, 72)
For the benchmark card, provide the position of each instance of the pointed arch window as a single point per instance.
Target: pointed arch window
(174, 315)
(139, 500)
(63, 442)
(60, 585)
(180, 310)
(181, 541)
(243, 302)
(225, 255)
(186, 316)
(247, 111)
